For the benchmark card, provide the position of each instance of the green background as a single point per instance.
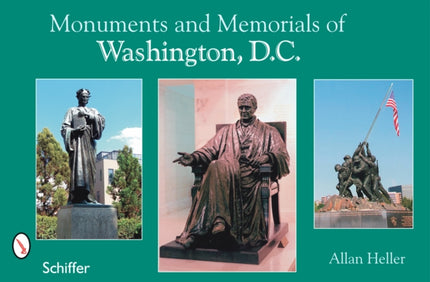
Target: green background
(382, 40)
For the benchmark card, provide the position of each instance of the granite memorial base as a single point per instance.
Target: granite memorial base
(248, 256)
(364, 219)
(87, 222)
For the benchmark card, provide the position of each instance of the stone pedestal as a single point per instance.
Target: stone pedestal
(249, 256)
(364, 219)
(87, 222)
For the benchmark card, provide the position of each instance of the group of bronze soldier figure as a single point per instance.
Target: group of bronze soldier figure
(362, 171)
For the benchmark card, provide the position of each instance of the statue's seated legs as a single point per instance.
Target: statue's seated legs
(216, 205)
(225, 210)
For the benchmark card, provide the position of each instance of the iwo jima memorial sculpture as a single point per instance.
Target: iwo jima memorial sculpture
(372, 207)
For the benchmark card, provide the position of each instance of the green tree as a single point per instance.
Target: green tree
(52, 172)
(407, 203)
(126, 188)
(317, 207)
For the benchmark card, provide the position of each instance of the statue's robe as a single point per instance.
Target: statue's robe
(81, 147)
(231, 186)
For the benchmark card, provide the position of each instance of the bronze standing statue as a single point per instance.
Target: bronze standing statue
(227, 211)
(81, 127)
(344, 177)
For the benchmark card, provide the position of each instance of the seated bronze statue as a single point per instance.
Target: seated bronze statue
(227, 210)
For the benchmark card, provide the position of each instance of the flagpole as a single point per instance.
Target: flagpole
(377, 114)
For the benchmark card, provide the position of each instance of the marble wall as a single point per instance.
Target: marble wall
(175, 134)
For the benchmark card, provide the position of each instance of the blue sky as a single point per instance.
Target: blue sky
(344, 111)
(118, 100)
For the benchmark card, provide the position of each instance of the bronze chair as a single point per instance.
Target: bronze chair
(269, 187)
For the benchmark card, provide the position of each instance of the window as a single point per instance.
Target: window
(110, 174)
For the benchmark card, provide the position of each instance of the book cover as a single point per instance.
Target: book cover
(162, 75)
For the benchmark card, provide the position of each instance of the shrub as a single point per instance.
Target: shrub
(46, 227)
(129, 228)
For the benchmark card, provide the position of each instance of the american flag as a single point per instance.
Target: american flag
(392, 104)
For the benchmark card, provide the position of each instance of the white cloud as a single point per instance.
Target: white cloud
(132, 137)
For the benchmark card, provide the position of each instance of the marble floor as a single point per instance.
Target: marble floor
(279, 259)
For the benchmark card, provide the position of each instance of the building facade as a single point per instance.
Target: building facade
(406, 191)
(106, 164)
(395, 197)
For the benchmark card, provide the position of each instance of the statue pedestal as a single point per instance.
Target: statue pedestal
(87, 222)
(364, 219)
(249, 256)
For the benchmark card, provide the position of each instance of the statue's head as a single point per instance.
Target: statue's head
(347, 157)
(247, 104)
(356, 159)
(83, 96)
(337, 167)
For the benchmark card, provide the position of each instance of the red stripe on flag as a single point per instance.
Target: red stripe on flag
(392, 104)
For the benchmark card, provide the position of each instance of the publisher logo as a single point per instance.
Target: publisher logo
(21, 245)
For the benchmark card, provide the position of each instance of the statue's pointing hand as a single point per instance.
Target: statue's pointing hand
(185, 159)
